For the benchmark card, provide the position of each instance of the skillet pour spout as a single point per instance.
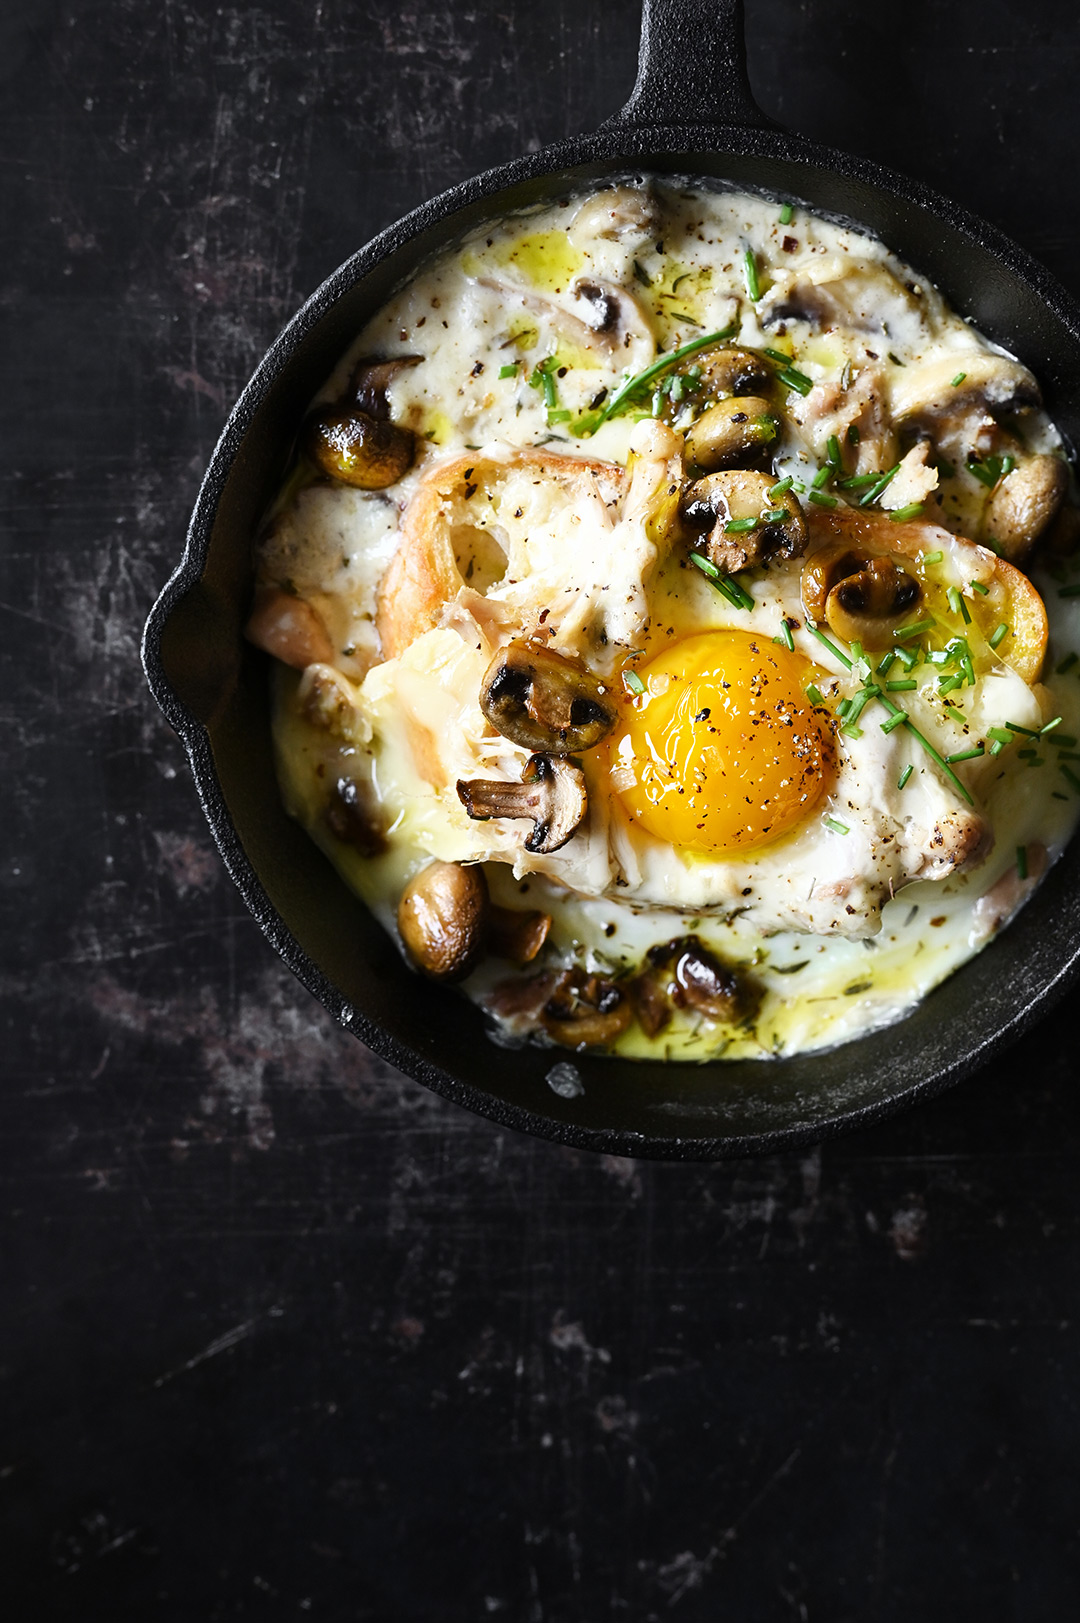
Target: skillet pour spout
(691, 113)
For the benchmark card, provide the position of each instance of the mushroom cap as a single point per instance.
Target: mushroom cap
(349, 445)
(730, 433)
(734, 496)
(1023, 504)
(585, 1010)
(619, 213)
(442, 919)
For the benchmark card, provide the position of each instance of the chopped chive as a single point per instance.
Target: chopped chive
(1064, 741)
(785, 214)
(1069, 591)
(813, 693)
(908, 657)
(753, 286)
(853, 435)
(635, 384)
(1050, 725)
(509, 371)
(837, 828)
(932, 557)
(957, 604)
(965, 755)
(904, 776)
(944, 468)
(1021, 862)
(834, 451)
(900, 515)
(949, 684)
(831, 646)
(777, 355)
(785, 632)
(1066, 664)
(796, 380)
(775, 515)
(1057, 796)
(996, 747)
(999, 735)
(896, 720)
(820, 478)
(905, 633)
(908, 685)
(1015, 727)
(821, 499)
(1008, 463)
(706, 565)
(778, 490)
(858, 481)
(1028, 754)
(958, 379)
(999, 635)
(1069, 775)
(940, 759)
(741, 526)
(875, 490)
(633, 682)
(887, 663)
(558, 417)
(977, 586)
(843, 708)
(856, 648)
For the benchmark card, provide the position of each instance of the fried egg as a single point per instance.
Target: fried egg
(754, 792)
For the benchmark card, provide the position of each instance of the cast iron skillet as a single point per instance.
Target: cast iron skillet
(691, 112)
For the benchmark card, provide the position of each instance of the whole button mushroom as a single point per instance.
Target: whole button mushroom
(862, 597)
(442, 918)
(357, 449)
(734, 432)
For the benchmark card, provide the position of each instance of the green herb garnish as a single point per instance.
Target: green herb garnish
(822, 500)
(785, 214)
(999, 635)
(633, 682)
(900, 515)
(831, 646)
(753, 286)
(837, 828)
(904, 776)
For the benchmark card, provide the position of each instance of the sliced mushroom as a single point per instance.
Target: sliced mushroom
(614, 315)
(351, 817)
(651, 1005)
(517, 933)
(442, 919)
(585, 1010)
(544, 701)
(286, 626)
(733, 432)
(945, 392)
(622, 214)
(356, 448)
(699, 981)
(551, 795)
(371, 379)
(869, 602)
(735, 497)
(1024, 503)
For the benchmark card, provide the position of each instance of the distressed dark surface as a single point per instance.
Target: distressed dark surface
(282, 1334)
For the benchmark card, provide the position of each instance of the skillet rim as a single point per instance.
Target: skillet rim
(620, 147)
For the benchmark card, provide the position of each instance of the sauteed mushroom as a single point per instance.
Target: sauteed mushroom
(862, 597)
(622, 214)
(729, 371)
(953, 394)
(551, 795)
(370, 380)
(735, 498)
(584, 1010)
(442, 919)
(356, 448)
(733, 432)
(288, 627)
(447, 920)
(701, 982)
(1024, 503)
(613, 315)
(544, 701)
(351, 818)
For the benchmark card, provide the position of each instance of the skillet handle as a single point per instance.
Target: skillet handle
(692, 67)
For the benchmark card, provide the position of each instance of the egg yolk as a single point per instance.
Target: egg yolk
(723, 750)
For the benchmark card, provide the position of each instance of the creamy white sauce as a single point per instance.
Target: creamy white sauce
(501, 302)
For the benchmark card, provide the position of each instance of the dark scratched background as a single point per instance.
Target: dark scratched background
(282, 1334)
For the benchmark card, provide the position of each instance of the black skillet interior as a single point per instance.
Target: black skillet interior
(213, 687)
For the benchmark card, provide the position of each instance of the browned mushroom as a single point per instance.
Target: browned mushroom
(585, 1010)
(350, 817)
(551, 795)
(731, 433)
(544, 701)
(620, 213)
(447, 920)
(357, 449)
(1024, 503)
(371, 379)
(286, 626)
(728, 371)
(613, 314)
(442, 918)
(741, 498)
(863, 597)
(699, 981)
(650, 1003)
